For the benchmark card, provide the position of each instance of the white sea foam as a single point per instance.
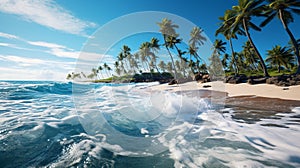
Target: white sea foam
(189, 129)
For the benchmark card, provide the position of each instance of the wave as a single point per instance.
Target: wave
(18, 90)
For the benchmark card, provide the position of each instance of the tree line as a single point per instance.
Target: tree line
(235, 22)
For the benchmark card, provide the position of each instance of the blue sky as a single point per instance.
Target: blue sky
(41, 40)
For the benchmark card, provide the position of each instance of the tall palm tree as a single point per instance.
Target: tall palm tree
(126, 56)
(249, 55)
(117, 68)
(280, 56)
(167, 29)
(243, 13)
(196, 40)
(284, 10)
(215, 67)
(229, 33)
(144, 52)
(154, 47)
(196, 37)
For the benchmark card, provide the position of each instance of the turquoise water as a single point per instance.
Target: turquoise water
(56, 124)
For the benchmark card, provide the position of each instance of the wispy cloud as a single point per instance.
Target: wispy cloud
(9, 36)
(46, 13)
(45, 44)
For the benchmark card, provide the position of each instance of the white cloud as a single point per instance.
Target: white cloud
(21, 60)
(45, 44)
(46, 13)
(5, 44)
(9, 36)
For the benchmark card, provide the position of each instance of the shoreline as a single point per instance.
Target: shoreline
(237, 90)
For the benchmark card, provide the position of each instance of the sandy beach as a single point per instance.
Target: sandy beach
(233, 90)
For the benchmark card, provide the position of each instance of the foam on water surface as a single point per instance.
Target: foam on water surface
(92, 125)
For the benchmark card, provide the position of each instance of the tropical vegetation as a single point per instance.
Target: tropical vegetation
(238, 21)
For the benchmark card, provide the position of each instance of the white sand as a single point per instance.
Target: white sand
(244, 89)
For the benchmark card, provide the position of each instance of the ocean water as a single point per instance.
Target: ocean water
(56, 124)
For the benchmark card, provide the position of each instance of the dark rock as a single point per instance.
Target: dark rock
(173, 82)
(292, 82)
(256, 81)
(206, 86)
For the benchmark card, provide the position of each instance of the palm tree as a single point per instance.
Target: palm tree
(170, 68)
(109, 69)
(167, 28)
(242, 18)
(117, 68)
(94, 72)
(249, 55)
(69, 76)
(154, 46)
(280, 56)
(100, 69)
(224, 61)
(105, 66)
(83, 74)
(215, 67)
(196, 40)
(284, 10)
(229, 33)
(126, 54)
(144, 52)
(162, 65)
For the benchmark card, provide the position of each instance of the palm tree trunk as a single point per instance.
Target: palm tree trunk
(255, 49)
(175, 75)
(233, 56)
(296, 49)
(177, 49)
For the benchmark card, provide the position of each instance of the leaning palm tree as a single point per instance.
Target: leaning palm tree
(243, 13)
(229, 33)
(284, 9)
(280, 56)
(167, 29)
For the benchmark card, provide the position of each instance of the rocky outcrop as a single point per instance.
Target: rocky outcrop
(284, 80)
(202, 77)
(236, 79)
(152, 77)
(256, 80)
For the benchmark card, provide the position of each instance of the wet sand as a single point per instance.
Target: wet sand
(256, 97)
